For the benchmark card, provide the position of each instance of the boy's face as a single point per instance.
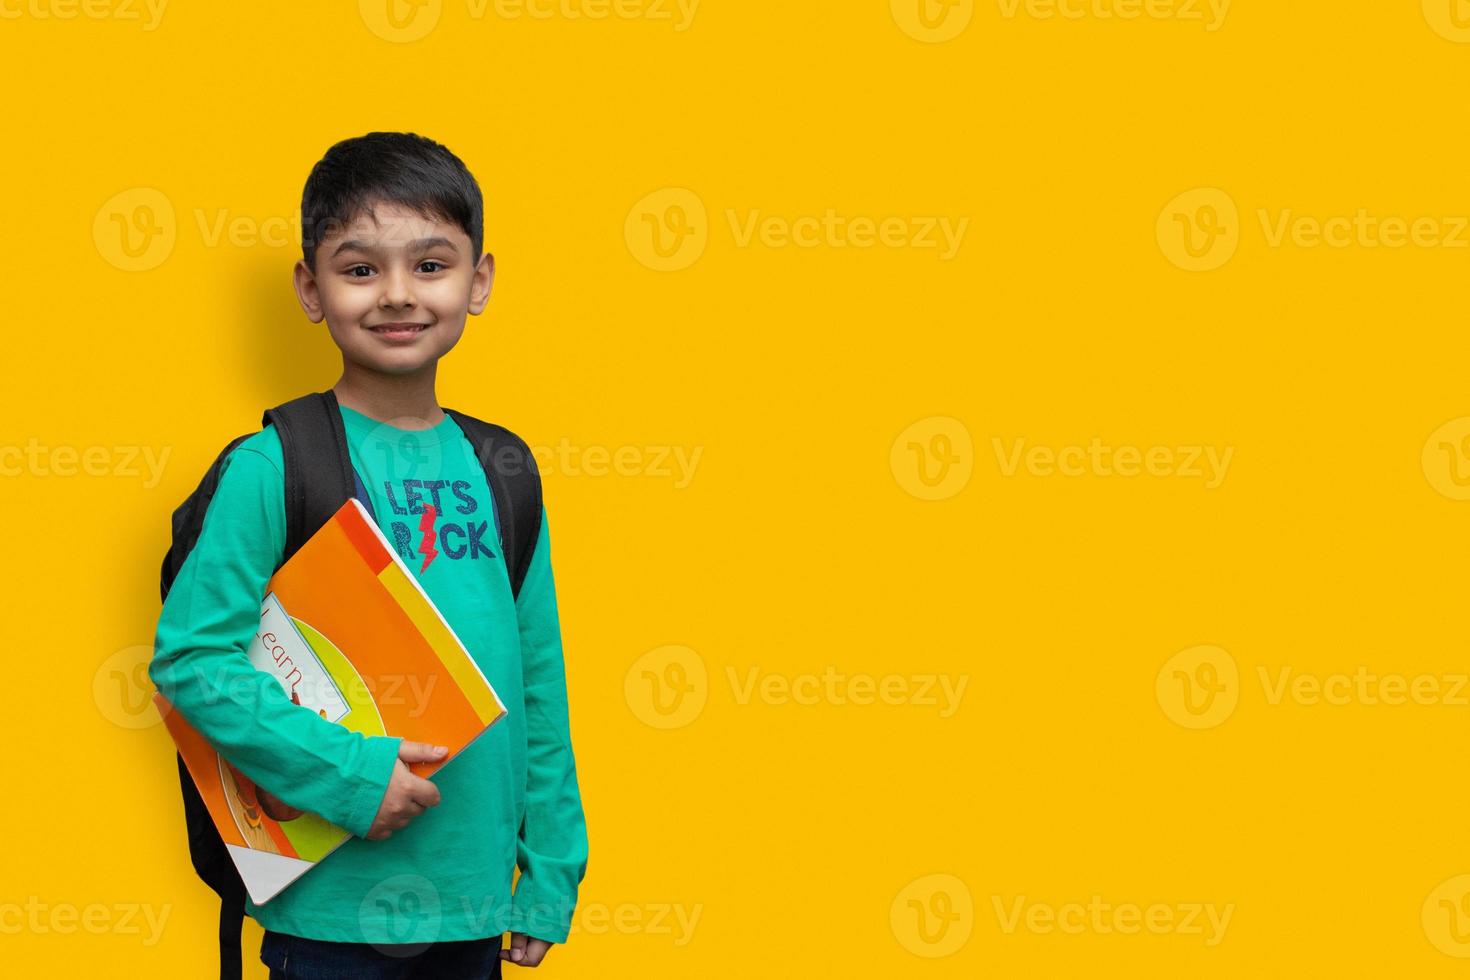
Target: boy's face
(395, 288)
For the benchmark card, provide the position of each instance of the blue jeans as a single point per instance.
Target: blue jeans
(294, 958)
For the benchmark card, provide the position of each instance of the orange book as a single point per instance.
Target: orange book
(343, 609)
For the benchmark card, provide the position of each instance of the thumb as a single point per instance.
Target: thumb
(412, 752)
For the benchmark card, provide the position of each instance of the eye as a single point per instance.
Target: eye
(432, 262)
(352, 270)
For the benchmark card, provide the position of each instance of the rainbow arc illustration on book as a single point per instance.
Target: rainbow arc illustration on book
(350, 634)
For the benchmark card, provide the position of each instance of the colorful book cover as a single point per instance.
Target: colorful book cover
(351, 635)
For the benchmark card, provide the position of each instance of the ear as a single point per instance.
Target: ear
(481, 282)
(307, 291)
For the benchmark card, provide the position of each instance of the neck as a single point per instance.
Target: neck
(398, 398)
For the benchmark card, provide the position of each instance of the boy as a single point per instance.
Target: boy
(392, 227)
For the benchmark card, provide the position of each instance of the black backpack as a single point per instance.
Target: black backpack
(319, 479)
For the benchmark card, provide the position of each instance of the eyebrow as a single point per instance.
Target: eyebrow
(418, 244)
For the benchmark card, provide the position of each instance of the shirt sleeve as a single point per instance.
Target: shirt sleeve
(200, 662)
(551, 851)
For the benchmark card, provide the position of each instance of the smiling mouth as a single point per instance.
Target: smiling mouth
(399, 330)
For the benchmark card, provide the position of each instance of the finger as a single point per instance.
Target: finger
(517, 946)
(535, 952)
(423, 792)
(268, 803)
(405, 814)
(275, 808)
(421, 752)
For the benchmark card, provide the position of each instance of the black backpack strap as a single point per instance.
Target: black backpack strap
(231, 920)
(319, 474)
(188, 518)
(212, 863)
(511, 471)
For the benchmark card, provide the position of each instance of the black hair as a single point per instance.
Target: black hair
(398, 168)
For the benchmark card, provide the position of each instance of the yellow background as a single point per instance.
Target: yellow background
(800, 834)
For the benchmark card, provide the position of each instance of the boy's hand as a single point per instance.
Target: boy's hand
(526, 950)
(408, 795)
(274, 808)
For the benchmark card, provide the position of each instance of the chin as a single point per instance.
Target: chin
(409, 362)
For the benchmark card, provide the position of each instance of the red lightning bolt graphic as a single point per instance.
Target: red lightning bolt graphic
(426, 546)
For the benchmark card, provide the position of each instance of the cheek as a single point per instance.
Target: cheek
(344, 302)
(448, 298)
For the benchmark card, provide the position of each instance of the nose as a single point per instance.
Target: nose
(397, 289)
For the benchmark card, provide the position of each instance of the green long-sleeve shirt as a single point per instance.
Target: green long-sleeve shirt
(509, 800)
